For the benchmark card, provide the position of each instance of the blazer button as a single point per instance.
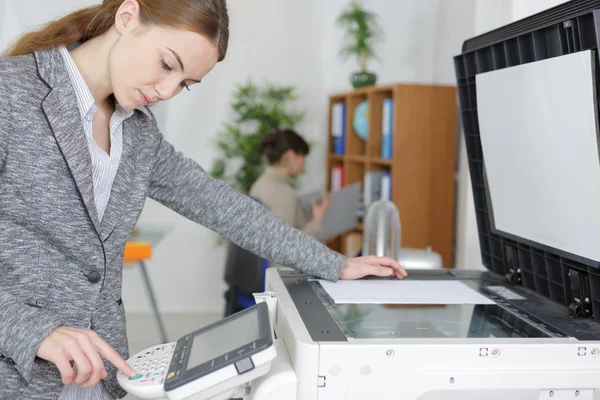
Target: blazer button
(94, 277)
(9, 361)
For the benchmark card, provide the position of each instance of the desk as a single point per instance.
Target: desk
(139, 249)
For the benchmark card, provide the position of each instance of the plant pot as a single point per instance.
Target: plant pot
(360, 79)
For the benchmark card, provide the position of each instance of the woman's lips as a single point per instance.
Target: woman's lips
(144, 99)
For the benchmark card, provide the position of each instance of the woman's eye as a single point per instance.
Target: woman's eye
(166, 66)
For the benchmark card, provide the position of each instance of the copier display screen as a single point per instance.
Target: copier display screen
(223, 339)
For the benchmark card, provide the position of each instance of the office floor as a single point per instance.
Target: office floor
(143, 333)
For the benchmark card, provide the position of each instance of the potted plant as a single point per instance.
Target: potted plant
(362, 32)
(256, 111)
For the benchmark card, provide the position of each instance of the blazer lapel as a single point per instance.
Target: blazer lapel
(119, 194)
(62, 112)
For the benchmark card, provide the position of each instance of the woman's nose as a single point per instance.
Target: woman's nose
(168, 89)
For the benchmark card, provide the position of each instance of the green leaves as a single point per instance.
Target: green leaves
(255, 112)
(362, 31)
(218, 169)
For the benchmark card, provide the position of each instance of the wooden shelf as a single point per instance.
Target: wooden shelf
(423, 159)
(351, 158)
(381, 161)
(359, 159)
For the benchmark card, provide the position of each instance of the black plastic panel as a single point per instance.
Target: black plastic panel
(565, 29)
(318, 322)
(550, 18)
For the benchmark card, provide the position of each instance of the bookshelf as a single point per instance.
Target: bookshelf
(422, 165)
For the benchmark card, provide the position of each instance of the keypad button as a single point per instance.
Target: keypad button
(244, 365)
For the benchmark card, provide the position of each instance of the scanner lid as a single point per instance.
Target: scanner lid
(529, 110)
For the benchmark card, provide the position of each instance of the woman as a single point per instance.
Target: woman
(286, 150)
(79, 154)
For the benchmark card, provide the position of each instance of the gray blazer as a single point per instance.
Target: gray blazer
(58, 264)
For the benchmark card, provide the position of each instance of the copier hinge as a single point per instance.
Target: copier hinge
(580, 305)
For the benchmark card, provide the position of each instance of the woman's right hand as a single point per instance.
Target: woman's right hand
(84, 348)
(319, 210)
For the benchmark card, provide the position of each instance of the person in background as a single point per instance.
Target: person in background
(286, 152)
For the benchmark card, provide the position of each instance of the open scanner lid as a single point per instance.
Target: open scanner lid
(541, 56)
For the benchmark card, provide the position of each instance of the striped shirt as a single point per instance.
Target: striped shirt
(104, 170)
(104, 166)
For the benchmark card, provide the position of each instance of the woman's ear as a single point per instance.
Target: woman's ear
(128, 16)
(287, 156)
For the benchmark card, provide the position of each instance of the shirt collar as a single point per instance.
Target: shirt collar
(85, 100)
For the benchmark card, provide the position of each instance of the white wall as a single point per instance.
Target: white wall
(420, 39)
(525, 8)
(18, 16)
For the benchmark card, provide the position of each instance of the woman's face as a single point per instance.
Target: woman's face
(152, 63)
(296, 164)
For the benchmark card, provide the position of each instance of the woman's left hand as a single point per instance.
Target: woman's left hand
(358, 267)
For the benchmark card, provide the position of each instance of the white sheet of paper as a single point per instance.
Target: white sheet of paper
(402, 292)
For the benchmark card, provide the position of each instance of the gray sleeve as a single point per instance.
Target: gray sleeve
(182, 185)
(23, 328)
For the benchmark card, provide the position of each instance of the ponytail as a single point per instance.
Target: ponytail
(277, 142)
(208, 18)
(76, 27)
